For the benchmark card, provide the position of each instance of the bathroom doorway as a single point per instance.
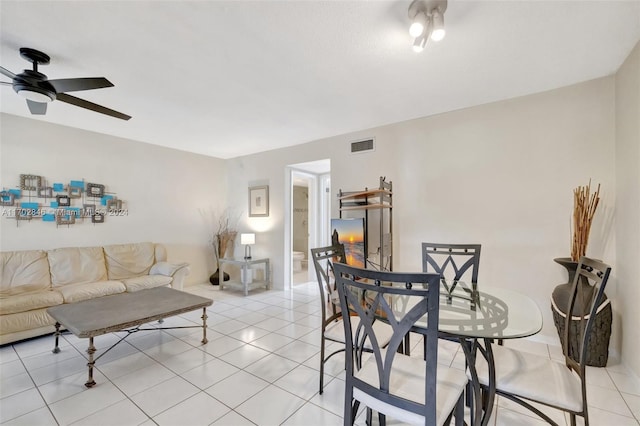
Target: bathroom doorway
(300, 227)
(307, 218)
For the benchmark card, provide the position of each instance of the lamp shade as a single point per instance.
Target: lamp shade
(247, 238)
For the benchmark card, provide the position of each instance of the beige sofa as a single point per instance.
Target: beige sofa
(32, 281)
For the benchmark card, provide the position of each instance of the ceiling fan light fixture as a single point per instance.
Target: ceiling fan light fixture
(38, 90)
(32, 94)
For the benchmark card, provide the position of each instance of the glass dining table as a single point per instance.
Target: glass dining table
(477, 318)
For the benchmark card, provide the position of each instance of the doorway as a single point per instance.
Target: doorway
(306, 219)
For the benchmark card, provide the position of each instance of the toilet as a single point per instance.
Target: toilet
(298, 257)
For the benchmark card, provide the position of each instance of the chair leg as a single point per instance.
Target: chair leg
(354, 412)
(322, 343)
(382, 419)
(407, 344)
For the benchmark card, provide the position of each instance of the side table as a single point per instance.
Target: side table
(245, 268)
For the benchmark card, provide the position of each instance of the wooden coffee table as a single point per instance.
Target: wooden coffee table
(124, 312)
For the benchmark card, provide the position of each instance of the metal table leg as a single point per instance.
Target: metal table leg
(91, 350)
(469, 348)
(491, 392)
(57, 348)
(204, 325)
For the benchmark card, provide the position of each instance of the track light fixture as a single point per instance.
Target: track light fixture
(427, 21)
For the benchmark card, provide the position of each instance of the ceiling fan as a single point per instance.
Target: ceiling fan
(38, 90)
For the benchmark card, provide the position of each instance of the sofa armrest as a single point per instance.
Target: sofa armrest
(178, 271)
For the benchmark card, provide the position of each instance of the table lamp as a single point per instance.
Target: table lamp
(247, 240)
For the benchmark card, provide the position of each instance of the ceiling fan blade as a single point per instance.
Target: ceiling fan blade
(76, 84)
(37, 108)
(7, 72)
(91, 106)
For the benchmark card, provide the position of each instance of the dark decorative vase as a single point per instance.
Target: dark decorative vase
(598, 346)
(215, 277)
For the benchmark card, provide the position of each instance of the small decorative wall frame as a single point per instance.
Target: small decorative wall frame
(30, 182)
(45, 192)
(63, 200)
(259, 201)
(23, 214)
(88, 210)
(114, 204)
(69, 219)
(75, 192)
(95, 190)
(77, 184)
(7, 198)
(97, 218)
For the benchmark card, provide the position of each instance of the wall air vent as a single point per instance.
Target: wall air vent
(362, 146)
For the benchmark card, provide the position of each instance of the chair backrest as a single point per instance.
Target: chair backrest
(456, 262)
(323, 259)
(373, 296)
(587, 292)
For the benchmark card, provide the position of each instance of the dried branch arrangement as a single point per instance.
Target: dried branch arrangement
(226, 233)
(584, 207)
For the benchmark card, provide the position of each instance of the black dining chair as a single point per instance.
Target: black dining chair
(525, 378)
(332, 329)
(458, 266)
(405, 388)
(457, 263)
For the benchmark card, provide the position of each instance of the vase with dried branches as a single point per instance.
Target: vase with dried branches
(222, 240)
(585, 204)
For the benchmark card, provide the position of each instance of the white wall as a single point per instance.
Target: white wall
(627, 265)
(500, 174)
(164, 190)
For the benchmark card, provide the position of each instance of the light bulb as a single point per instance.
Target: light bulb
(437, 35)
(438, 32)
(419, 23)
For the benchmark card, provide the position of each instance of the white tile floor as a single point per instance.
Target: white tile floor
(260, 367)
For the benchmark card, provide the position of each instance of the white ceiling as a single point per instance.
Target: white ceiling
(229, 78)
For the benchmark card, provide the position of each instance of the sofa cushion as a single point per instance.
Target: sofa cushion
(146, 281)
(30, 301)
(21, 321)
(129, 260)
(78, 292)
(77, 265)
(23, 272)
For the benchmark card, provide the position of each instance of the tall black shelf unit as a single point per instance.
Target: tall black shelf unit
(379, 199)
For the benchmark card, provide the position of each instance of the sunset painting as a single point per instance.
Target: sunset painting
(351, 234)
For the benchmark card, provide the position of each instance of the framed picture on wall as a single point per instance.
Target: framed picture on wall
(259, 201)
